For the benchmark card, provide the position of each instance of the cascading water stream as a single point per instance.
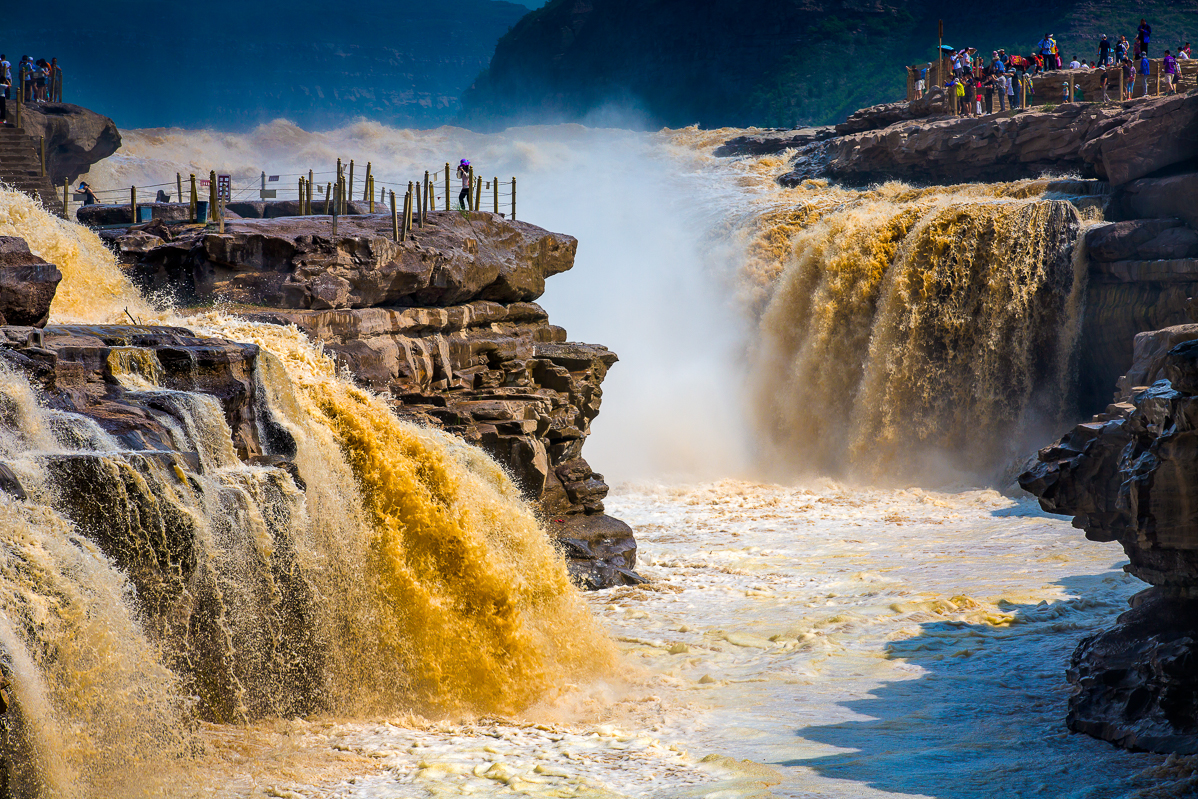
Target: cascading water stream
(399, 570)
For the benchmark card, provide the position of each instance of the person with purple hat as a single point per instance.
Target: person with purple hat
(465, 195)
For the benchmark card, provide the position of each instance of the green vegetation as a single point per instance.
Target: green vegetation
(768, 62)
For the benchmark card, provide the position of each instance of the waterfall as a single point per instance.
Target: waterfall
(916, 334)
(362, 565)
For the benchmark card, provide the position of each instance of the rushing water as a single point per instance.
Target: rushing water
(817, 639)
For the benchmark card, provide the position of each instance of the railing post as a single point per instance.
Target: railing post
(428, 196)
(495, 193)
(42, 147)
(513, 199)
(478, 195)
(448, 207)
(349, 195)
(383, 197)
(195, 198)
(328, 199)
(394, 220)
(133, 202)
(179, 185)
(368, 187)
(419, 201)
(407, 216)
(66, 196)
(212, 209)
(20, 91)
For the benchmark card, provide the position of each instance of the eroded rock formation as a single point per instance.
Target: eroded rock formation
(76, 138)
(1131, 475)
(443, 324)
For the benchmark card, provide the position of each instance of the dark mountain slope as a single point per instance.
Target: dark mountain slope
(764, 62)
(233, 64)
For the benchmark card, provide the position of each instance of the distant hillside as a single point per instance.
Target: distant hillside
(767, 62)
(236, 63)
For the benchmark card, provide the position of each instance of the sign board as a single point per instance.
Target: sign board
(224, 187)
(268, 194)
(205, 184)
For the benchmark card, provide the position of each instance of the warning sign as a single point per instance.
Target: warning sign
(224, 187)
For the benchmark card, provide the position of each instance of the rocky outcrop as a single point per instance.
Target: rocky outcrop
(76, 138)
(27, 284)
(1131, 475)
(443, 324)
(1142, 240)
(769, 142)
(298, 263)
(1117, 142)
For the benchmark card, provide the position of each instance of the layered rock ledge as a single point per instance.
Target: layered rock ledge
(443, 324)
(1117, 142)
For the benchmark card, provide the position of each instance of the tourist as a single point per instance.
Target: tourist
(960, 105)
(1045, 50)
(1010, 85)
(1182, 52)
(1078, 95)
(1169, 65)
(1105, 82)
(1067, 94)
(464, 196)
(1143, 34)
(978, 93)
(1075, 64)
(1129, 78)
(919, 84)
(1145, 71)
(55, 80)
(40, 73)
(987, 87)
(1104, 51)
(1121, 48)
(89, 196)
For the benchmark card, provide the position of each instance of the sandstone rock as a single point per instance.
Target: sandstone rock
(1135, 684)
(76, 138)
(1119, 142)
(27, 284)
(1173, 196)
(1148, 360)
(1142, 240)
(296, 263)
(1149, 136)
(600, 551)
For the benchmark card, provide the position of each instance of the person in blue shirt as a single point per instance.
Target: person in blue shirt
(1143, 34)
(1145, 69)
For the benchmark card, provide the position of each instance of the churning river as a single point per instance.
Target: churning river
(834, 609)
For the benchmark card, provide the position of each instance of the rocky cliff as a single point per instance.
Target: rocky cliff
(444, 324)
(1128, 474)
(719, 63)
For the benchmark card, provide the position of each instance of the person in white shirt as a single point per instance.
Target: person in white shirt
(1075, 64)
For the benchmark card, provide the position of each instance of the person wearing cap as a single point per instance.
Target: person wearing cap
(1105, 82)
(1104, 51)
(1068, 94)
(465, 195)
(89, 196)
(1143, 35)
(1045, 48)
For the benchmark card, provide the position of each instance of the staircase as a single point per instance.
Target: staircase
(21, 168)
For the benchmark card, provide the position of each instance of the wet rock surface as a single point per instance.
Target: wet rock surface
(443, 324)
(27, 284)
(1131, 475)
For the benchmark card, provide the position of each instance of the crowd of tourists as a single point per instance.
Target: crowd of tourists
(41, 81)
(978, 83)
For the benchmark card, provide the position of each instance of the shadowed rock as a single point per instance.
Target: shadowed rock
(27, 284)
